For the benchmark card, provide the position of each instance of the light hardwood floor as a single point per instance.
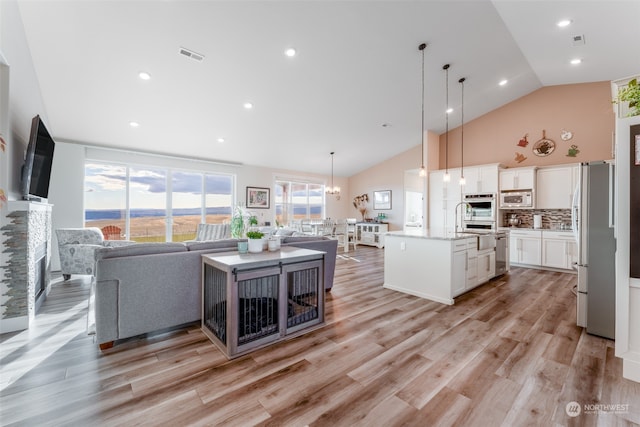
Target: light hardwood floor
(508, 353)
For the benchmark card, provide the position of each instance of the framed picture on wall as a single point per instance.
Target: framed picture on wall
(258, 198)
(382, 200)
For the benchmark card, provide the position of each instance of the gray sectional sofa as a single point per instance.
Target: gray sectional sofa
(146, 287)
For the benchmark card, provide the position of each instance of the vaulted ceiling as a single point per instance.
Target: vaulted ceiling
(353, 87)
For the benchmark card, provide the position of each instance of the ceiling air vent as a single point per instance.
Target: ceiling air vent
(191, 54)
(578, 40)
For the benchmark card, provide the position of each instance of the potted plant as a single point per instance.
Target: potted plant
(237, 222)
(631, 94)
(255, 241)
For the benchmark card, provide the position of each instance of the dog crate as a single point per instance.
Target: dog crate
(252, 300)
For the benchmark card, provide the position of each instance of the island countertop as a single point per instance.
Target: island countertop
(433, 234)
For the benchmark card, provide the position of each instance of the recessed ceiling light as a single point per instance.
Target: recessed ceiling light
(144, 76)
(503, 82)
(248, 105)
(450, 110)
(290, 52)
(576, 61)
(564, 23)
(220, 140)
(134, 124)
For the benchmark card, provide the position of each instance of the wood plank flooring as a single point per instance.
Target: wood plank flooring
(508, 353)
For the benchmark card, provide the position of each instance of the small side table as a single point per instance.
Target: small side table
(253, 300)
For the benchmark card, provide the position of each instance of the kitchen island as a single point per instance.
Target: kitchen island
(437, 264)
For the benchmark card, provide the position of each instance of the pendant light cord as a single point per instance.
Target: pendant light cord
(446, 136)
(332, 186)
(422, 169)
(461, 81)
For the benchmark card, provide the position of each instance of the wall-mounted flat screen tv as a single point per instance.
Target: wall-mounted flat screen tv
(36, 171)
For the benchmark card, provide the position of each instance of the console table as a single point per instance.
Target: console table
(253, 300)
(371, 233)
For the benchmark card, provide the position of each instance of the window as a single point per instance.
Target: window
(152, 204)
(298, 200)
(105, 199)
(218, 198)
(186, 205)
(147, 204)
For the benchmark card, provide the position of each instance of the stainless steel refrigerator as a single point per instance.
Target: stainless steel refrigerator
(592, 219)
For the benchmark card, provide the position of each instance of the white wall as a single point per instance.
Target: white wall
(25, 99)
(390, 175)
(66, 192)
(20, 101)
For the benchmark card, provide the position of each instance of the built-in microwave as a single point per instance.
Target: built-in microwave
(520, 199)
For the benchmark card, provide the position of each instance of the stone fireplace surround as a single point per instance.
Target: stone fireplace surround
(27, 257)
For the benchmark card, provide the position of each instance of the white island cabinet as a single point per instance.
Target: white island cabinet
(436, 265)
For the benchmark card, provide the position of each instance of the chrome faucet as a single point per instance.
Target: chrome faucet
(455, 212)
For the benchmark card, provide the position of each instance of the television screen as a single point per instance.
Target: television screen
(37, 168)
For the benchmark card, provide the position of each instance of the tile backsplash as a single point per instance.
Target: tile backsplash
(551, 218)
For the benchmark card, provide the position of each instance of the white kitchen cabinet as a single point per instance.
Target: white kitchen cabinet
(559, 250)
(525, 247)
(464, 275)
(443, 198)
(458, 272)
(486, 265)
(518, 179)
(472, 264)
(437, 207)
(481, 179)
(555, 187)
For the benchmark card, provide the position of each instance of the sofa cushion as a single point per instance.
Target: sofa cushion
(214, 244)
(285, 232)
(302, 238)
(207, 232)
(140, 249)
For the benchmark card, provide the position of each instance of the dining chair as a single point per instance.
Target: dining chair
(351, 230)
(326, 228)
(341, 233)
(305, 226)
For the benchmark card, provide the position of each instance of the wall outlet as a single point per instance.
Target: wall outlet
(403, 246)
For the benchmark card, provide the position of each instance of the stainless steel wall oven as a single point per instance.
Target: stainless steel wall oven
(481, 211)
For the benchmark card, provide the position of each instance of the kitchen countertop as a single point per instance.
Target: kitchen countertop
(433, 234)
(533, 229)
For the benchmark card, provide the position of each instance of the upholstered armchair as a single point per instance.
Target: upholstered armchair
(77, 247)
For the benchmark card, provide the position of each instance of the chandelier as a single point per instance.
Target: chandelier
(333, 190)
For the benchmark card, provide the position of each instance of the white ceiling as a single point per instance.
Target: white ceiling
(358, 67)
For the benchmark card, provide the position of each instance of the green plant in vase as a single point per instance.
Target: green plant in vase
(237, 223)
(255, 240)
(631, 94)
(255, 234)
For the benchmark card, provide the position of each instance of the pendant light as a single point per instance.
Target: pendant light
(446, 177)
(423, 171)
(462, 180)
(333, 190)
